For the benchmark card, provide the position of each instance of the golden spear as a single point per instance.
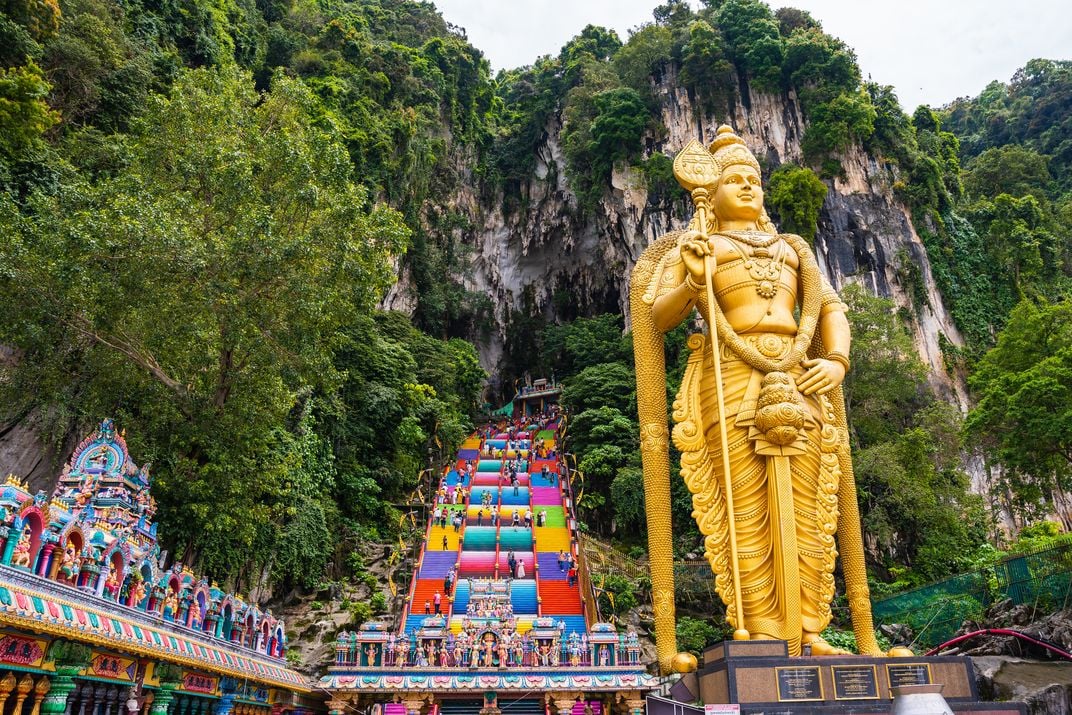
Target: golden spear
(695, 169)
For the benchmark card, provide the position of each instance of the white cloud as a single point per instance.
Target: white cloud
(931, 51)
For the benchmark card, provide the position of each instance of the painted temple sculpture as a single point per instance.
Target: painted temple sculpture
(760, 416)
(96, 534)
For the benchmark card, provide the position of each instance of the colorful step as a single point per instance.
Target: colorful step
(526, 556)
(574, 624)
(477, 564)
(436, 564)
(435, 540)
(523, 596)
(558, 598)
(478, 539)
(546, 496)
(549, 569)
(515, 496)
(515, 538)
(552, 538)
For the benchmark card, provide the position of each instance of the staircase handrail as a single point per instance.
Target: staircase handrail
(584, 582)
(407, 607)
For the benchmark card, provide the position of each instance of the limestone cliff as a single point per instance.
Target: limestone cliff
(550, 245)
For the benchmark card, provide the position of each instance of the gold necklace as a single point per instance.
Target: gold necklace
(764, 268)
(755, 239)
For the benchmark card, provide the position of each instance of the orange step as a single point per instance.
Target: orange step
(426, 589)
(559, 599)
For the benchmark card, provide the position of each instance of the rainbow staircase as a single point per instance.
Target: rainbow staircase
(521, 638)
(481, 546)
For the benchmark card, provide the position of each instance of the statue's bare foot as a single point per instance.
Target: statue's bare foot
(820, 646)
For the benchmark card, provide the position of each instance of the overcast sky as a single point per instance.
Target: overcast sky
(931, 51)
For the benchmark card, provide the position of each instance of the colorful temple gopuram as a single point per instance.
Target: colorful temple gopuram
(84, 566)
(500, 615)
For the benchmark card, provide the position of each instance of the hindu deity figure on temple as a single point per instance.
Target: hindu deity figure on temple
(69, 565)
(111, 583)
(21, 555)
(760, 407)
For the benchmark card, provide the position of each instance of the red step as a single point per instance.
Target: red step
(559, 599)
(426, 589)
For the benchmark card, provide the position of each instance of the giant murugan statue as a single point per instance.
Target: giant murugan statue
(760, 416)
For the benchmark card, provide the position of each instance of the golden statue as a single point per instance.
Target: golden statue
(760, 409)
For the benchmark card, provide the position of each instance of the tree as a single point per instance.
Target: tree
(24, 115)
(1022, 418)
(627, 499)
(753, 39)
(836, 124)
(916, 503)
(648, 49)
(1010, 169)
(1017, 238)
(604, 385)
(704, 66)
(584, 342)
(797, 194)
(198, 296)
(886, 383)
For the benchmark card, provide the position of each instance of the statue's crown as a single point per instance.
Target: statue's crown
(729, 149)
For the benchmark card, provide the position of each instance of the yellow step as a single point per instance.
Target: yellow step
(471, 443)
(552, 538)
(435, 539)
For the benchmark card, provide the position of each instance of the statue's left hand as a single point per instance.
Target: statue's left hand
(821, 377)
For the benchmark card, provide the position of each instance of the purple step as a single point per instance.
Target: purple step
(468, 453)
(437, 563)
(548, 561)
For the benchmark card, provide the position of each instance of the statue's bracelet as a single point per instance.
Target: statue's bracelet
(693, 286)
(839, 357)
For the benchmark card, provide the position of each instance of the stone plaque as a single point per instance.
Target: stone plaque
(909, 674)
(855, 682)
(797, 683)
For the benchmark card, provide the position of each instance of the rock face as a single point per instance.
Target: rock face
(549, 244)
(1046, 687)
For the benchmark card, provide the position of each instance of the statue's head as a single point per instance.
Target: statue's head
(739, 192)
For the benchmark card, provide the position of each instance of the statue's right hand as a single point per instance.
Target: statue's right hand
(694, 249)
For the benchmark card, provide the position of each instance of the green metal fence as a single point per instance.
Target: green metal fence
(935, 612)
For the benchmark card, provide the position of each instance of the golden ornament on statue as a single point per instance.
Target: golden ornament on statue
(684, 663)
(760, 416)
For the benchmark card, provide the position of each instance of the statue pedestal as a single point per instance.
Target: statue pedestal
(761, 678)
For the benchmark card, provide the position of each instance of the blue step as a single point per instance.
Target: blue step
(536, 479)
(413, 622)
(461, 596)
(452, 478)
(463, 707)
(523, 597)
(479, 538)
(573, 623)
(515, 539)
(476, 495)
(511, 499)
